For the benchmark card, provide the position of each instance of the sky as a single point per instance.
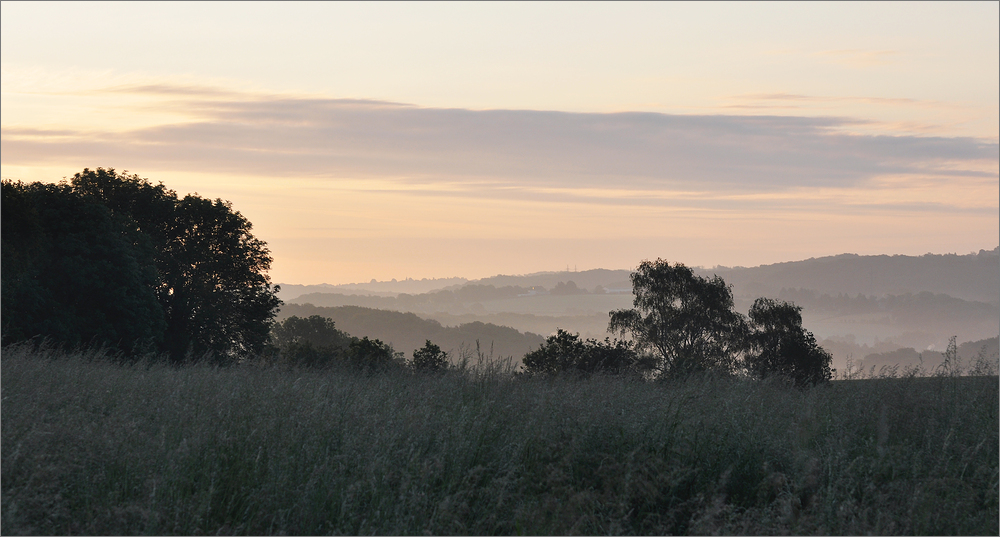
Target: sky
(430, 140)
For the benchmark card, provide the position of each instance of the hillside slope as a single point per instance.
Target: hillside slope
(406, 331)
(856, 305)
(973, 277)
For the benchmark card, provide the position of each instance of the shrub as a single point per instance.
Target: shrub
(429, 359)
(567, 353)
(779, 345)
(311, 342)
(372, 355)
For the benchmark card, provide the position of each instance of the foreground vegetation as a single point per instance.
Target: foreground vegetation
(90, 446)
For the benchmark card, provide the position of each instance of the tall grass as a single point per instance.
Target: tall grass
(89, 446)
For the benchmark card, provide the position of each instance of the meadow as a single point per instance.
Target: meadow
(91, 446)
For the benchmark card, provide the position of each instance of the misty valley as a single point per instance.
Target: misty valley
(871, 311)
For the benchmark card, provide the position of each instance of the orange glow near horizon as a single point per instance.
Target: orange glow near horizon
(522, 143)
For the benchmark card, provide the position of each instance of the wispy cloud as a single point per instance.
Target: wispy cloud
(514, 149)
(191, 90)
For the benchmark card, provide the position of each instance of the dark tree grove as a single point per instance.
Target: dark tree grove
(216, 294)
(566, 353)
(780, 346)
(372, 355)
(314, 330)
(687, 322)
(314, 341)
(75, 272)
(107, 246)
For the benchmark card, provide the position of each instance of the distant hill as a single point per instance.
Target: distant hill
(291, 291)
(406, 331)
(973, 277)
(856, 305)
(967, 352)
(587, 279)
(968, 277)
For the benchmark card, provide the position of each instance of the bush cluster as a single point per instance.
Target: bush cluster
(682, 324)
(565, 353)
(315, 342)
(687, 324)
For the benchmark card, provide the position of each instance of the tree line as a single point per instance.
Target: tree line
(111, 259)
(681, 324)
(315, 341)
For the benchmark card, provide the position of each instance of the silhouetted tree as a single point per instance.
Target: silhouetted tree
(686, 321)
(315, 329)
(612, 357)
(312, 342)
(779, 345)
(430, 358)
(558, 354)
(212, 282)
(373, 356)
(566, 353)
(73, 272)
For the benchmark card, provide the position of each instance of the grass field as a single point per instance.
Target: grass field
(97, 448)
